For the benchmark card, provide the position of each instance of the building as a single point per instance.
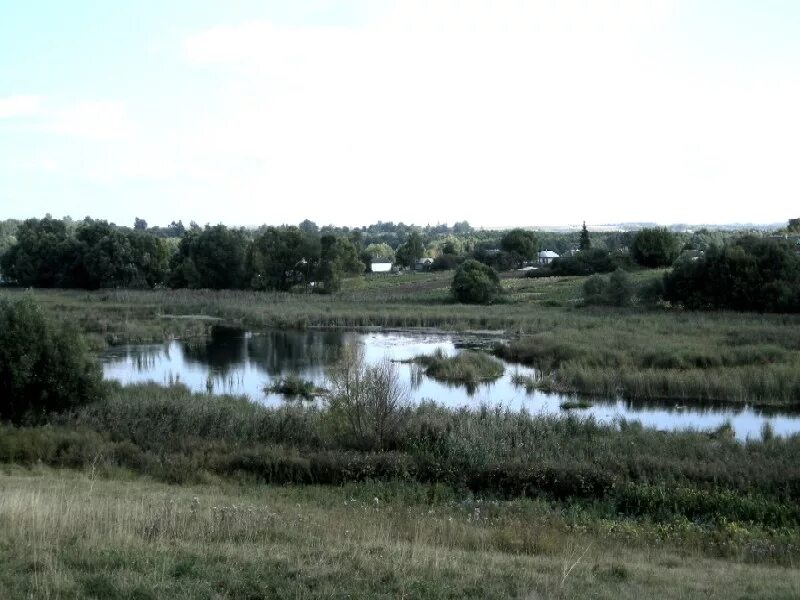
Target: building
(423, 264)
(381, 266)
(547, 256)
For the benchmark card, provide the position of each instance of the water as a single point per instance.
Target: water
(234, 362)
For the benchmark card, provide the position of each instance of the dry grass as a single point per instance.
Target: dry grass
(70, 535)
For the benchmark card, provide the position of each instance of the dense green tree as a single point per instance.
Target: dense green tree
(587, 262)
(585, 242)
(656, 247)
(139, 224)
(380, 252)
(39, 256)
(103, 257)
(748, 274)
(411, 251)
(44, 366)
(475, 283)
(212, 258)
(281, 258)
(308, 226)
(338, 257)
(521, 244)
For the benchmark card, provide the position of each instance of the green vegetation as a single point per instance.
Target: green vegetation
(175, 436)
(522, 245)
(88, 534)
(615, 290)
(748, 274)
(292, 386)
(655, 247)
(475, 283)
(44, 366)
(467, 367)
(572, 404)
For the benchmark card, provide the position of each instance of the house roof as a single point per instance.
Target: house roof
(548, 254)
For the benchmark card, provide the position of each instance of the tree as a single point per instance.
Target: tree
(794, 226)
(139, 224)
(521, 244)
(281, 258)
(308, 226)
(411, 251)
(338, 257)
(380, 252)
(585, 242)
(655, 247)
(368, 399)
(747, 274)
(475, 283)
(212, 258)
(44, 366)
(615, 290)
(39, 257)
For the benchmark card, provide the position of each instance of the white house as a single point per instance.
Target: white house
(547, 256)
(381, 266)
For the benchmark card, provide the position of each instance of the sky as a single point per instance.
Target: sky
(499, 112)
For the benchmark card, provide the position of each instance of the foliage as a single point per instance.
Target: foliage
(411, 251)
(475, 283)
(213, 258)
(281, 258)
(656, 247)
(97, 255)
(368, 398)
(748, 274)
(585, 262)
(466, 367)
(614, 290)
(338, 257)
(521, 244)
(293, 386)
(585, 243)
(43, 366)
(380, 252)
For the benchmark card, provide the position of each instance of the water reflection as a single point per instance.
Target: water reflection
(232, 361)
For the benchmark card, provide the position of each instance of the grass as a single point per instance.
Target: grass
(573, 404)
(73, 534)
(467, 367)
(718, 357)
(292, 386)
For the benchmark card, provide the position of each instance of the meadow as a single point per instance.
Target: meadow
(643, 353)
(154, 492)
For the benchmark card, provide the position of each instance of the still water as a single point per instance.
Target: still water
(245, 363)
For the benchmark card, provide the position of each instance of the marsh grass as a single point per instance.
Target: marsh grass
(293, 386)
(639, 354)
(467, 367)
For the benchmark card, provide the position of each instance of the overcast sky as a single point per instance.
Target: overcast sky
(498, 112)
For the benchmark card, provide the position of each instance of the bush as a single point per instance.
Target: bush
(44, 367)
(368, 400)
(655, 247)
(616, 290)
(748, 274)
(475, 283)
(586, 262)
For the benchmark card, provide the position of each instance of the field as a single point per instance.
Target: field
(155, 492)
(68, 534)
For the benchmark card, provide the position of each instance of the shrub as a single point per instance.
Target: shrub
(475, 283)
(368, 400)
(616, 290)
(655, 247)
(44, 366)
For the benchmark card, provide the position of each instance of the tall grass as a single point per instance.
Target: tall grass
(83, 536)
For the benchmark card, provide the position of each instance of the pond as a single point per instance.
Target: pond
(237, 362)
